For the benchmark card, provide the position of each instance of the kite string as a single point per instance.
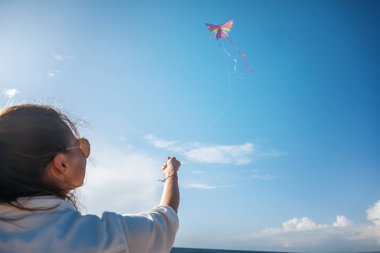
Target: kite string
(242, 54)
(233, 59)
(229, 80)
(220, 115)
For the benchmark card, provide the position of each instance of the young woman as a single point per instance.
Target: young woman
(42, 160)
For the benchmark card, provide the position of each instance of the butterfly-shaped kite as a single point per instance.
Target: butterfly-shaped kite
(221, 31)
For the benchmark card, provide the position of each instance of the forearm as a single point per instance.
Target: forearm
(170, 195)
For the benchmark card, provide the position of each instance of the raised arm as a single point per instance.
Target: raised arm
(170, 195)
(154, 231)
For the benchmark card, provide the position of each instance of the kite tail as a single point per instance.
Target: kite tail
(242, 54)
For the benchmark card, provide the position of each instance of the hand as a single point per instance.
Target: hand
(171, 166)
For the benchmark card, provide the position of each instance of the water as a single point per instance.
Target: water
(191, 250)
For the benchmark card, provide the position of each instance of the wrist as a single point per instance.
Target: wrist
(171, 172)
(173, 176)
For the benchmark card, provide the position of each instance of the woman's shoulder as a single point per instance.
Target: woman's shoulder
(54, 218)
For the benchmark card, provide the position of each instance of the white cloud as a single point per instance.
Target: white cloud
(204, 186)
(373, 231)
(302, 224)
(210, 154)
(54, 73)
(341, 221)
(121, 181)
(11, 92)
(303, 234)
(221, 154)
(59, 57)
(373, 214)
(159, 143)
(295, 224)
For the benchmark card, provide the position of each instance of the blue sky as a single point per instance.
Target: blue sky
(283, 158)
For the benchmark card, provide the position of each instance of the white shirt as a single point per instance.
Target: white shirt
(63, 229)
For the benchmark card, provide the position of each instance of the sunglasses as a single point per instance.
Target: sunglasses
(84, 146)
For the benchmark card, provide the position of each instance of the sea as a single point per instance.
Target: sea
(192, 250)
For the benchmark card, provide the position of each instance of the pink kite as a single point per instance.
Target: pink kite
(221, 31)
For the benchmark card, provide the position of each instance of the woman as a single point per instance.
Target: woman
(42, 160)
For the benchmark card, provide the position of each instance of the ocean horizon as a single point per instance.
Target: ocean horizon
(198, 250)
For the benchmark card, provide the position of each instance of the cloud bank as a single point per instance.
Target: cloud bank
(303, 234)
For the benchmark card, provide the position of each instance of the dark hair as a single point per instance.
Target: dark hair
(30, 136)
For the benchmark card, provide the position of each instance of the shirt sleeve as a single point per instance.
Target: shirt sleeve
(150, 232)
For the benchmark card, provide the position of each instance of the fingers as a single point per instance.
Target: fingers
(172, 162)
(172, 158)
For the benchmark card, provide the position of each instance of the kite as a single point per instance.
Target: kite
(221, 31)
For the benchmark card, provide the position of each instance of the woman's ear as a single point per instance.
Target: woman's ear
(58, 167)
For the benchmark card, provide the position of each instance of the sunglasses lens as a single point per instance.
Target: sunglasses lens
(85, 146)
